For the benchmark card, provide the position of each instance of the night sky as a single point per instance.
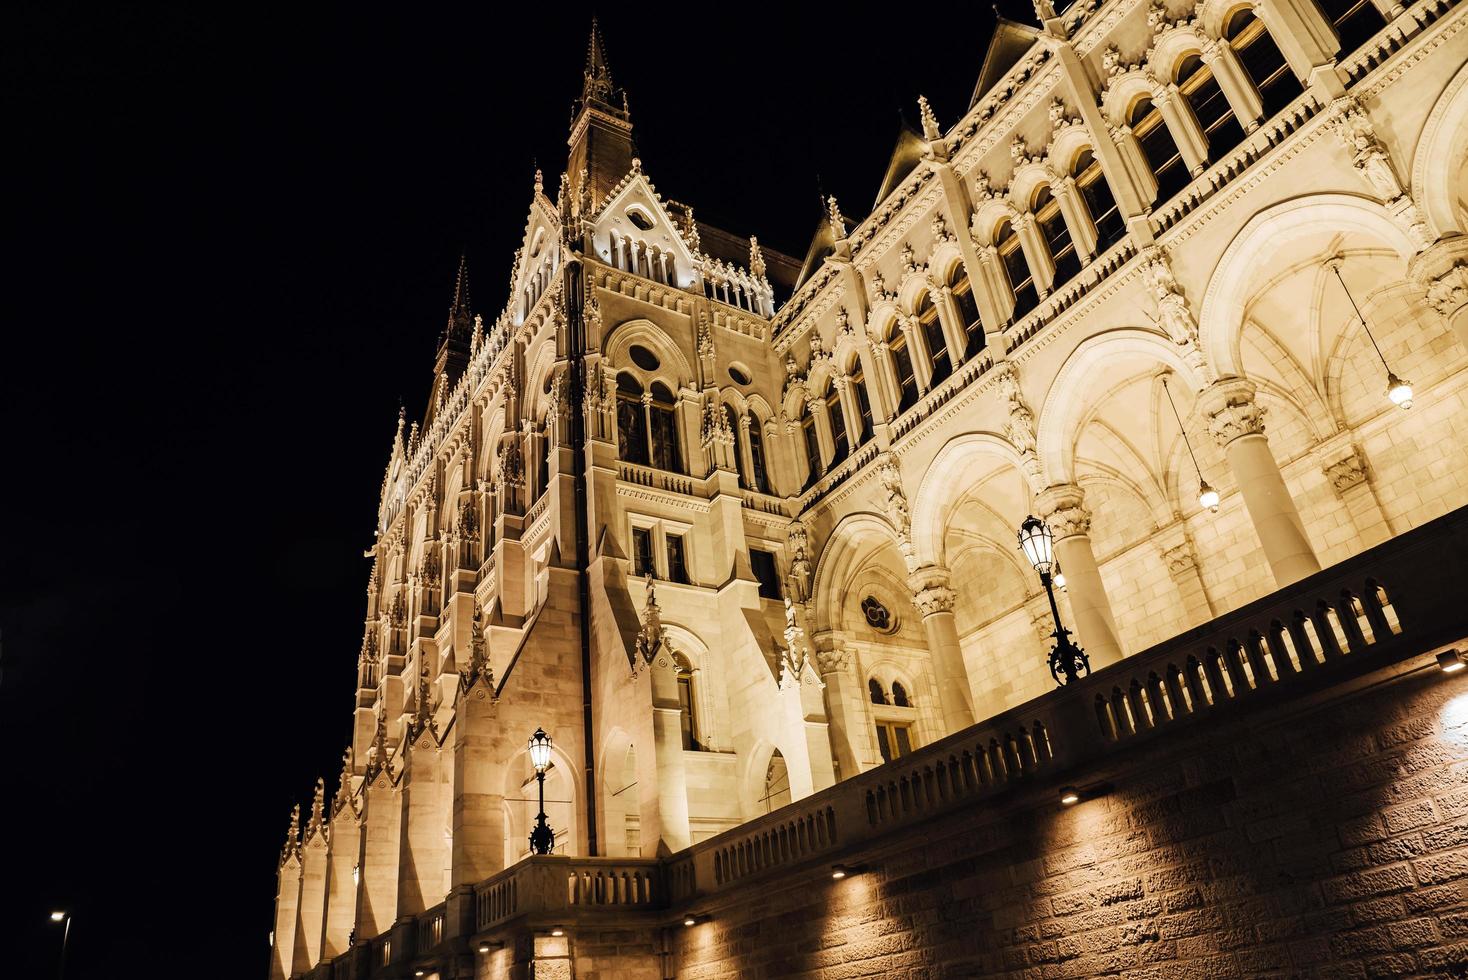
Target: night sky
(232, 236)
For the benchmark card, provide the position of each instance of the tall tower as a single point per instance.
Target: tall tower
(601, 127)
(453, 344)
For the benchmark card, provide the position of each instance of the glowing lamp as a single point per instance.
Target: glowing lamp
(1207, 497)
(1037, 543)
(838, 872)
(1449, 660)
(1399, 391)
(690, 920)
(540, 750)
(1070, 796)
(58, 916)
(558, 931)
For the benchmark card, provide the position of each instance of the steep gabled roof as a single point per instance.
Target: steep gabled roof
(905, 157)
(1006, 46)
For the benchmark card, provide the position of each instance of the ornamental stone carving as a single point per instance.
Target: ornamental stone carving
(651, 636)
(1179, 559)
(833, 660)
(896, 506)
(1231, 410)
(1347, 472)
(1448, 293)
(1063, 508)
(1019, 428)
(1173, 314)
(800, 563)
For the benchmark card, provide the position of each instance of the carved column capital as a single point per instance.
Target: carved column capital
(1063, 508)
(1231, 410)
(1348, 471)
(931, 592)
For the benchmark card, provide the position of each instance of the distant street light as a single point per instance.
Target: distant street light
(64, 917)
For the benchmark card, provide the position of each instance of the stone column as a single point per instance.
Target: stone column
(1441, 271)
(1070, 522)
(1037, 253)
(1236, 84)
(1076, 216)
(842, 690)
(1237, 423)
(933, 599)
(1176, 551)
(1178, 116)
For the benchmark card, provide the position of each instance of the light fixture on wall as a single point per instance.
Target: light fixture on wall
(1207, 496)
(1070, 796)
(1450, 661)
(1067, 661)
(1399, 391)
(542, 838)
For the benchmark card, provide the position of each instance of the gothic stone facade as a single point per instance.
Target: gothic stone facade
(738, 530)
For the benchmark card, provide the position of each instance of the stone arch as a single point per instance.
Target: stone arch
(1026, 181)
(946, 480)
(620, 796)
(945, 256)
(1172, 46)
(752, 782)
(619, 342)
(853, 541)
(989, 215)
(1257, 246)
(914, 287)
(562, 814)
(1122, 92)
(1068, 144)
(540, 362)
(1443, 145)
(1065, 403)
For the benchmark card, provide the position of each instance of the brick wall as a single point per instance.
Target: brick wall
(1332, 843)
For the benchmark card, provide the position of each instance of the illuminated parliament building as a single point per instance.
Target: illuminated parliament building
(702, 564)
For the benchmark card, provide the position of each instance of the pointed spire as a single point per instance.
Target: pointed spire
(292, 836)
(597, 85)
(460, 317)
(318, 804)
(756, 258)
(833, 215)
(596, 55)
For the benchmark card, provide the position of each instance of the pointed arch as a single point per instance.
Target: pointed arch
(1442, 147)
(1257, 246)
(948, 477)
(853, 541)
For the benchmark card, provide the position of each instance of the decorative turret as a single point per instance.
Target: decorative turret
(292, 848)
(314, 826)
(454, 344)
(601, 129)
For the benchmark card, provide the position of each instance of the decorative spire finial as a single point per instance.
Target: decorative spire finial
(460, 319)
(756, 258)
(930, 121)
(833, 215)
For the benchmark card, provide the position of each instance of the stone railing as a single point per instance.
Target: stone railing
(543, 886)
(647, 476)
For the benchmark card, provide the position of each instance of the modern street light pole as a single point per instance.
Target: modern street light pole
(1067, 660)
(542, 838)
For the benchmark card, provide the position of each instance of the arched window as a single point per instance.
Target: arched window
(1212, 109)
(732, 421)
(687, 719)
(1160, 149)
(932, 328)
(1021, 282)
(662, 422)
(899, 695)
(812, 446)
(836, 418)
(777, 785)
(1057, 236)
(757, 455)
(968, 310)
(902, 364)
(631, 422)
(1263, 60)
(1100, 202)
(863, 404)
(1355, 22)
(874, 688)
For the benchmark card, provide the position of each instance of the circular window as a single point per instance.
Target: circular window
(877, 616)
(739, 373)
(644, 358)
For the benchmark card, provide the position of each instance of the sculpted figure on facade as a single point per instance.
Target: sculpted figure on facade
(1173, 314)
(1019, 427)
(650, 636)
(800, 562)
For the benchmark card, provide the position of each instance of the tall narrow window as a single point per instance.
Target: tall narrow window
(1056, 234)
(631, 421)
(777, 785)
(894, 740)
(687, 721)
(766, 573)
(875, 692)
(542, 474)
(863, 404)
(1263, 60)
(902, 364)
(836, 418)
(1021, 282)
(677, 559)
(932, 328)
(812, 447)
(1209, 105)
(732, 421)
(899, 695)
(1100, 203)
(968, 310)
(1159, 148)
(757, 456)
(642, 564)
(1355, 22)
(663, 426)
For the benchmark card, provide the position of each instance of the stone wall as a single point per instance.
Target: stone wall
(1329, 842)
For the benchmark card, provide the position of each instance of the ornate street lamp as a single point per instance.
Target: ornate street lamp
(1399, 391)
(542, 838)
(1067, 661)
(1207, 496)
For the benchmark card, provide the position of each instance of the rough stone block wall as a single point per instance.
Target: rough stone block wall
(1326, 844)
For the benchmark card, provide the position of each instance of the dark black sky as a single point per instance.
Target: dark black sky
(231, 243)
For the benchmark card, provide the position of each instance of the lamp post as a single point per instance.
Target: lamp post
(1067, 661)
(65, 918)
(542, 838)
(1397, 390)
